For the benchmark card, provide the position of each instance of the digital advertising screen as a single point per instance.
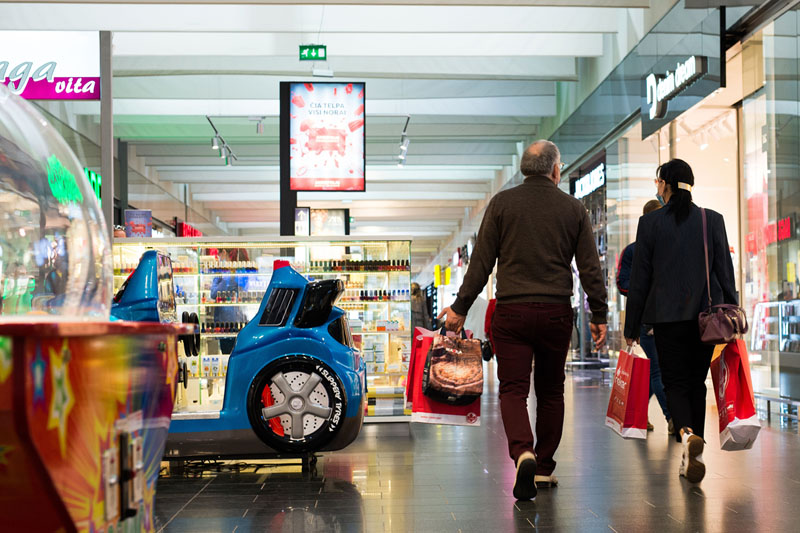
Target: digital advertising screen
(328, 222)
(326, 135)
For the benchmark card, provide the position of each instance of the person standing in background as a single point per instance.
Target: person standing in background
(420, 316)
(668, 290)
(533, 231)
(226, 288)
(646, 335)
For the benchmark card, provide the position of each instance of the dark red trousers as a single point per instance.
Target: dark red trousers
(523, 334)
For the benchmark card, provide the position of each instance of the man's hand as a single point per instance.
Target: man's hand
(454, 321)
(631, 342)
(599, 335)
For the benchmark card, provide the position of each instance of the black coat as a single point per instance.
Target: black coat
(668, 278)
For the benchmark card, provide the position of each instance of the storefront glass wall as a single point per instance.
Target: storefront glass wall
(770, 203)
(632, 164)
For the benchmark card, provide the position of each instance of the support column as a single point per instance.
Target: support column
(122, 157)
(106, 132)
(288, 198)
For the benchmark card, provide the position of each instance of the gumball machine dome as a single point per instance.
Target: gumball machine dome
(55, 256)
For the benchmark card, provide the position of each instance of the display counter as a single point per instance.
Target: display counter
(224, 280)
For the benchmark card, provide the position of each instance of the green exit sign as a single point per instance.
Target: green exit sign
(313, 52)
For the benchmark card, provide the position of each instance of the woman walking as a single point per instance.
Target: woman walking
(668, 290)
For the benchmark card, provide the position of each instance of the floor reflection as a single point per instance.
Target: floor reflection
(278, 496)
(420, 478)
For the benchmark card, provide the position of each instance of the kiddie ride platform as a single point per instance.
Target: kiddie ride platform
(293, 384)
(84, 414)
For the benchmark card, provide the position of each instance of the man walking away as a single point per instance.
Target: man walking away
(533, 231)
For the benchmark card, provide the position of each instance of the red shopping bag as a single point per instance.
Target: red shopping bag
(627, 407)
(423, 408)
(733, 389)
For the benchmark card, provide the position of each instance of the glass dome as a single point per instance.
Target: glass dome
(55, 260)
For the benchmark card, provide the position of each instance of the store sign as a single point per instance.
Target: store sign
(325, 146)
(96, 181)
(62, 182)
(51, 65)
(313, 52)
(187, 230)
(663, 88)
(592, 181)
(785, 229)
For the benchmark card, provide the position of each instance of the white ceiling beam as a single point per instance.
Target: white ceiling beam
(411, 161)
(394, 67)
(231, 17)
(363, 196)
(390, 188)
(250, 149)
(451, 45)
(516, 106)
(233, 175)
(213, 85)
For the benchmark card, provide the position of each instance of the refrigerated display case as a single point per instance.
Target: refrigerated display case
(223, 280)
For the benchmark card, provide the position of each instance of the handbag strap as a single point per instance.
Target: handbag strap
(705, 249)
(443, 333)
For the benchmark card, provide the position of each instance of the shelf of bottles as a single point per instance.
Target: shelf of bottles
(224, 282)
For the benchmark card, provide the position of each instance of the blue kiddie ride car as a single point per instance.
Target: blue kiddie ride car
(295, 384)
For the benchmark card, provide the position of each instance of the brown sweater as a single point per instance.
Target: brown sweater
(533, 231)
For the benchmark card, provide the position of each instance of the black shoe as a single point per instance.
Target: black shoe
(525, 486)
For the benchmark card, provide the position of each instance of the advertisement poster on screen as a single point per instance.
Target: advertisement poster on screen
(138, 223)
(328, 222)
(51, 65)
(326, 136)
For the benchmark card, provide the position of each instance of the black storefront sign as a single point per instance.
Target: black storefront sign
(675, 85)
(590, 177)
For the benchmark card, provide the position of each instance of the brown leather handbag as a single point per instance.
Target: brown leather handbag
(723, 323)
(453, 370)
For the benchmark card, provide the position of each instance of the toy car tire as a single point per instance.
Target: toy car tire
(306, 400)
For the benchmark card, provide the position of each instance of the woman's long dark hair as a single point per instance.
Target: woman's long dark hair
(672, 172)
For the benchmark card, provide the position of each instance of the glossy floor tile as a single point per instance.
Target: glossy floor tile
(415, 477)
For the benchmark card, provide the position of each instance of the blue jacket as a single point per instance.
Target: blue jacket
(624, 268)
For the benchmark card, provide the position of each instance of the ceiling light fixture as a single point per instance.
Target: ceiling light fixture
(260, 127)
(404, 144)
(218, 142)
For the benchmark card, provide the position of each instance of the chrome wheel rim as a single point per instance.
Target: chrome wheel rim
(302, 403)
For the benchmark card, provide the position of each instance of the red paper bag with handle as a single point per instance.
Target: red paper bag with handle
(733, 389)
(627, 407)
(428, 410)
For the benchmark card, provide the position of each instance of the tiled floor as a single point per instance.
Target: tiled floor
(401, 477)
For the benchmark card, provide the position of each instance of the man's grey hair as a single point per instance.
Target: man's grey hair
(539, 159)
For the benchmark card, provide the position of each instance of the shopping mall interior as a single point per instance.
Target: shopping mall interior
(228, 231)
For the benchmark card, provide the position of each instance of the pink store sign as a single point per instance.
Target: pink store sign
(51, 65)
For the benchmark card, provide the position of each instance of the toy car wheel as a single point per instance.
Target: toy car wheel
(296, 404)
